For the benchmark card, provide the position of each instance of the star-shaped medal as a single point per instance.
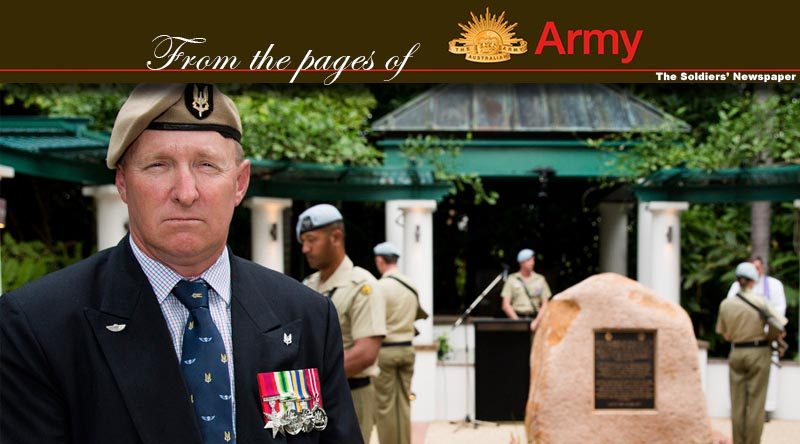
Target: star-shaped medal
(275, 423)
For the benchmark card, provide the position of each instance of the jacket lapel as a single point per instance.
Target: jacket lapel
(262, 342)
(140, 353)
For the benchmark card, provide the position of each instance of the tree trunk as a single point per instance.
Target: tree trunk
(761, 211)
(760, 227)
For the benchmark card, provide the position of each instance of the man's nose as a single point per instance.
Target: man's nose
(185, 191)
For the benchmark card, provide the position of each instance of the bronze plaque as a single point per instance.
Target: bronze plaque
(624, 369)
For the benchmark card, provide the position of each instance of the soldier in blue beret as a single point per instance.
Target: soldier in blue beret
(396, 358)
(525, 293)
(358, 300)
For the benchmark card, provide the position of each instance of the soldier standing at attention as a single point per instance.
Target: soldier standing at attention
(772, 290)
(358, 301)
(740, 322)
(396, 358)
(525, 293)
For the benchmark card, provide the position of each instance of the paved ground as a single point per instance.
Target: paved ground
(775, 432)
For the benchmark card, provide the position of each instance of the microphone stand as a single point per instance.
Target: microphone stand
(467, 418)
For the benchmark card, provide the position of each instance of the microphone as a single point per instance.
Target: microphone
(505, 272)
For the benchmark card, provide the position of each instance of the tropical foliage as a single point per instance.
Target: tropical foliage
(301, 124)
(730, 128)
(313, 125)
(26, 261)
(100, 102)
(441, 154)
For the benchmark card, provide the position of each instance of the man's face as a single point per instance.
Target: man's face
(181, 188)
(527, 265)
(759, 267)
(318, 246)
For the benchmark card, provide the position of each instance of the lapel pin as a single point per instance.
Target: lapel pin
(287, 339)
(116, 328)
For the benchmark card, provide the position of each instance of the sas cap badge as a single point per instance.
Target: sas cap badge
(199, 99)
(488, 39)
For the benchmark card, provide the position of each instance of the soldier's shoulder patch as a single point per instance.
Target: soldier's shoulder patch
(366, 290)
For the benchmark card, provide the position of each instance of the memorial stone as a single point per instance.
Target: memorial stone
(614, 363)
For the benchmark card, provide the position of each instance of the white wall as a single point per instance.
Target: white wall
(718, 390)
(455, 381)
(455, 376)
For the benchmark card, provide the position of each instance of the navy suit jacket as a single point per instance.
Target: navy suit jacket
(66, 378)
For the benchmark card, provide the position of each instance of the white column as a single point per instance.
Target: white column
(665, 241)
(8, 173)
(266, 221)
(614, 237)
(644, 252)
(418, 251)
(112, 215)
(394, 227)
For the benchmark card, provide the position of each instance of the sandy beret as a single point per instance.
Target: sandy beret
(524, 255)
(176, 107)
(316, 217)
(386, 249)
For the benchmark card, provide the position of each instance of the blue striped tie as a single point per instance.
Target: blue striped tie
(205, 365)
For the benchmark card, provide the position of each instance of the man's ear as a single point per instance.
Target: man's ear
(337, 236)
(242, 180)
(119, 180)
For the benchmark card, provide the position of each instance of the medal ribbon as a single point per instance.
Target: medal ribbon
(298, 387)
(312, 376)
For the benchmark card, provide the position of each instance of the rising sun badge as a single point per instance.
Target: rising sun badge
(488, 39)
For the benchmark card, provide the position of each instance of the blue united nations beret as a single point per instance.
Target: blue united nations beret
(386, 249)
(317, 217)
(747, 270)
(524, 255)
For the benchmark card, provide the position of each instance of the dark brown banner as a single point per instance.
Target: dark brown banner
(409, 41)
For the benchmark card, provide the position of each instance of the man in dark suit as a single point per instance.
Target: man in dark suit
(168, 337)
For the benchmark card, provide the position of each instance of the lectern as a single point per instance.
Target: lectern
(502, 369)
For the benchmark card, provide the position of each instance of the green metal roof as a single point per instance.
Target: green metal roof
(527, 108)
(50, 143)
(58, 148)
(519, 129)
(300, 180)
(45, 133)
(771, 183)
(521, 158)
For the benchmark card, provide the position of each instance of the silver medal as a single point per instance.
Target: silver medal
(320, 418)
(293, 422)
(274, 419)
(308, 420)
(275, 422)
